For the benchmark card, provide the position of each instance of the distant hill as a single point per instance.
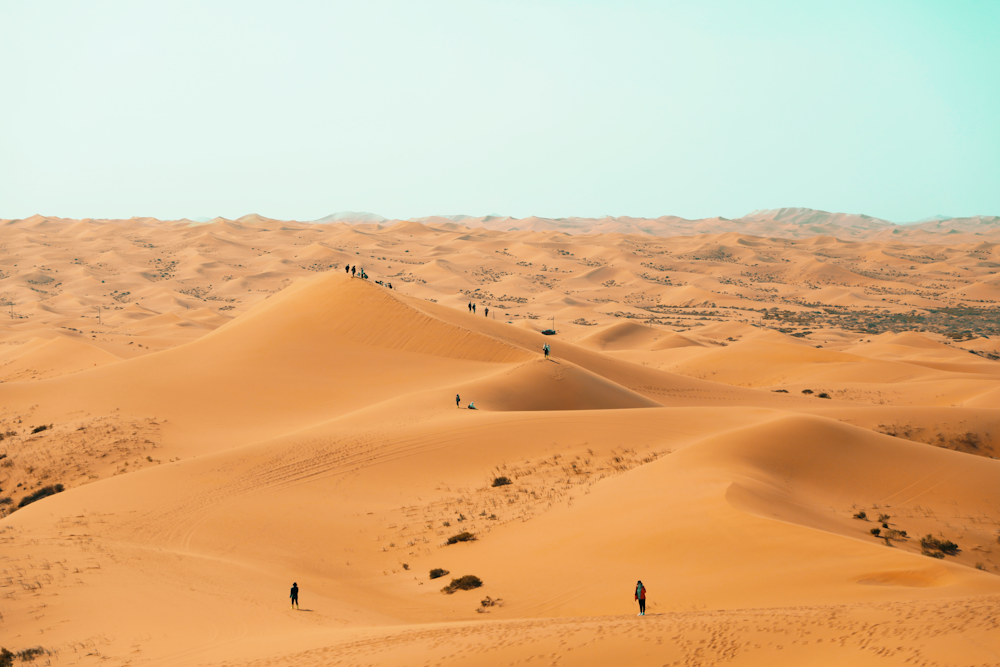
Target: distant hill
(352, 216)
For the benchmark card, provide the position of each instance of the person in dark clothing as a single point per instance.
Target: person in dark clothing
(473, 309)
(487, 311)
(640, 595)
(470, 306)
(295, 595)
(458, 401)
(545, 349)
(353, 269)
(347, 268)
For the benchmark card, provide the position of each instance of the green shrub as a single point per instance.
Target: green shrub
(931, 544)
(438, 572)
(502, 481)
(43, 492)
(462, 537)
(466, 583)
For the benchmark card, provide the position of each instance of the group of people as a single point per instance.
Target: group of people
(640, 590)
(354, 270)
(458, 403)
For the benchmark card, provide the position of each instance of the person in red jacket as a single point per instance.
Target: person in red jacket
(640, 595)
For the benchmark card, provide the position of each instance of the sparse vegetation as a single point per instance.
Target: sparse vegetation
(43, 492)
(932, 546)
(861, 515)
(882, 518)
(876, 531)
(466, 583)
(780, 391)
(807, 391)
(438, 572)
(39, 429)
(464, 536)
(501, 481)
(823, 395)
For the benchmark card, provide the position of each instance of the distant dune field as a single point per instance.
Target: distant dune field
(787, 426)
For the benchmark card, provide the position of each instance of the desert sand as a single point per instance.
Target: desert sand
(730, 409)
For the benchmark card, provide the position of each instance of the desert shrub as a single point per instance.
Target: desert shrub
(43, 492)
(406, 566)
(780, 391)
(891, 534)
(883, 518)
(876, 531)
(466, 583)
(39, 429)
(807, 391)
(824, 395)
(438, 572)
(5, 501)
(861, 515)
(980, 566)
(6, 658)
(932, 544)
(29, 654)
(501, 481)
(462, 537)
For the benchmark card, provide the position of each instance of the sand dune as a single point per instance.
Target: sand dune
(229, 411)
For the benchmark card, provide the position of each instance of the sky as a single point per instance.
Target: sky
(295, 110)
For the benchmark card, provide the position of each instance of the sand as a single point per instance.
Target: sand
(228, 411)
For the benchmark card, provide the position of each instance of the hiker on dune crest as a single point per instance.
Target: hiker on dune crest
(295, 595)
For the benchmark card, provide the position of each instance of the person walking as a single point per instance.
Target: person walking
(545, 349)
(295, 595)
(458, 401)
(473, 309)
(640, 595)
(353, 269)
(486, 312)
(470, 306)
(347, 268)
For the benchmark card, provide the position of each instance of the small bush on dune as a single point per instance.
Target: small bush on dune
(39, 429)
(861, 515)
(780, 391)
(466, 583)
(931, 544)
(876, 531)
(6, 658)
(43, 492)
(438, 572)
(462, 537)
(807, 391)
(5, 501)
(501, 481)
(824, 395)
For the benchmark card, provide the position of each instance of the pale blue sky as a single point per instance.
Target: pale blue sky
(300, 109)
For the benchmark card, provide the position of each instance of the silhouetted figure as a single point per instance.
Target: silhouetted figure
(470, 306)
(486, 311)
(353, 269)
(473, 309)
(458, 401)
(640, 595)
(545, 349)
(347, 268)
(295, 595)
